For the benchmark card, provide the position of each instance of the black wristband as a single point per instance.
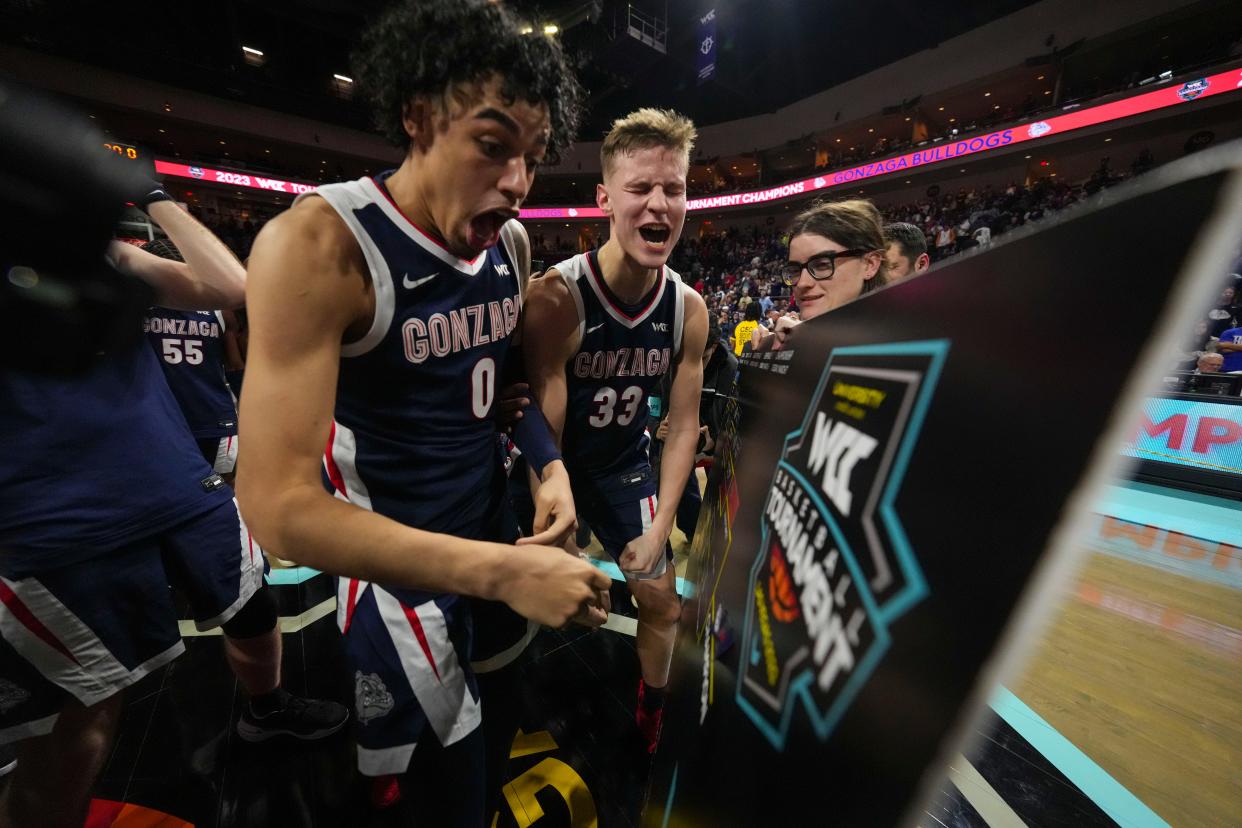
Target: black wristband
(151, 193)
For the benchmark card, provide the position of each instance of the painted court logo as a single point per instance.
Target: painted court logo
(835, 569)
(1193, 89)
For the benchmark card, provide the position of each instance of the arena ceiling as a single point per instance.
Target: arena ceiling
(770, 52)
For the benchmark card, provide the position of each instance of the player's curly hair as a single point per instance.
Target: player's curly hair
(434, 47)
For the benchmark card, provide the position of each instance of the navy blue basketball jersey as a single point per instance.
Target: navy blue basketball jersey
(624, 353)
(413, 436)
(93, 462)
(190, 347)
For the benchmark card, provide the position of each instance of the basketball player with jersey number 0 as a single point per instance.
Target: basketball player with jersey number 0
(382, 312)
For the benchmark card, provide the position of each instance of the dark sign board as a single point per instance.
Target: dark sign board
(895, 484)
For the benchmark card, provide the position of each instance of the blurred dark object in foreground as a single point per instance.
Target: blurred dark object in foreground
(61, 195)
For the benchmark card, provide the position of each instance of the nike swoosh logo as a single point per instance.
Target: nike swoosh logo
(596, 328)
(413, 283)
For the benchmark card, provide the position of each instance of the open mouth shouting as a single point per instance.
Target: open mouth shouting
(655, 236)
(484, 229)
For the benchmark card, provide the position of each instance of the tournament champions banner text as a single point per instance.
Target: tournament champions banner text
(1171, 95)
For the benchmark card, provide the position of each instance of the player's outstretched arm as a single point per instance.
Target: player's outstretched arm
(308, 288)
(677, 458)
(211, 278)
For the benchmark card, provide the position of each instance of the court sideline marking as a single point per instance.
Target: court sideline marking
(1111, 796)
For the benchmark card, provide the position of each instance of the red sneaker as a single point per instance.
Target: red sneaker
(649, 723)
(385, 792)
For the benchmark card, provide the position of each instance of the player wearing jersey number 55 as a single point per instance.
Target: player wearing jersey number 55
(603, 329)
(382, 312)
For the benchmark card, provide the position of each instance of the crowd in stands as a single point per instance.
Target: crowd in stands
(1215, 346)
(237, 231)
(736, 267)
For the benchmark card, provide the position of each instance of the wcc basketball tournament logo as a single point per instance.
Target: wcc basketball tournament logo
(835, 568)
(1193, 89)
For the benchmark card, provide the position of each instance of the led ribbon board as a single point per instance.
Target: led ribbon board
(1167, 96)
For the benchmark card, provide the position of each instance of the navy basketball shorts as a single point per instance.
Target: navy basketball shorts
(219, 452)
(620, 507)
(86, 631)
(410, 660)
(500, 634)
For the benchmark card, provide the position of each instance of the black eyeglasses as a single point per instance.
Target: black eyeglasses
(821, 266)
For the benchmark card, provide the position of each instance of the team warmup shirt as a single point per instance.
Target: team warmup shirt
(625, 350)
(93, 462)
(412, 436)
(190, 347)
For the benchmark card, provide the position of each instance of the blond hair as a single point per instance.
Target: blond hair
(645, 128)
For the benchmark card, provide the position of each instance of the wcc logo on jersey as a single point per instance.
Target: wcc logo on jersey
(835, 569)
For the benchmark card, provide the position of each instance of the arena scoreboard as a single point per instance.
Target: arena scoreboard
(123, 150)
(134, 155)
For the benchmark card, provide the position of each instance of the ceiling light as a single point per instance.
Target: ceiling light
(267, 150)
(342, 78)
(551, 29)
(526, 30)
(907, 117)
(1041, 77)
(252, 51)
(996, 106)
(952, 120)
(1106, 140)
(870, 129)
(1028, 156)
(161, 129)
(1047, 91)
(987, 94)
(942, 109)
(838, 140)
(221, 142)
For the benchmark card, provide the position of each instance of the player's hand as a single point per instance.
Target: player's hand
(549, 587)
(709, 444)
(642, 554)
(662, 430)
(555, 517)
(513, 398)
(595, 612)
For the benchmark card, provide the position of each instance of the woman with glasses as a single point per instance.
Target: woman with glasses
(836, 254)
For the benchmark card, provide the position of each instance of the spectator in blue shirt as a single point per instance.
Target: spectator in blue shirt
(1230, 345)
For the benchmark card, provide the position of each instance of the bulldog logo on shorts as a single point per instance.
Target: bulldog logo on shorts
(371, 696)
